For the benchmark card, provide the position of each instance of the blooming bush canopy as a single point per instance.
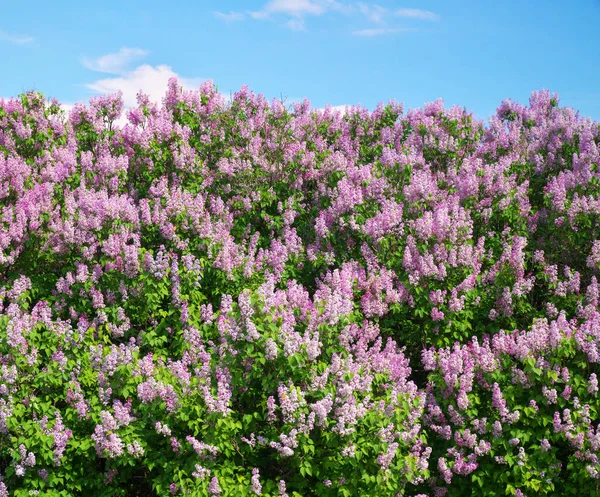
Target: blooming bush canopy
(238, 298)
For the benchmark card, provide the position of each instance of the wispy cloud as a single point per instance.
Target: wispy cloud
(16, 39)
(229, 16)
(417, 14)
(300, 8)
(375, 13)
(114, 63)
(297, 10)
(296, 24)
(381, 31)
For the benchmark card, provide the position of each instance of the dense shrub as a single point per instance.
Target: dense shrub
(244, 299)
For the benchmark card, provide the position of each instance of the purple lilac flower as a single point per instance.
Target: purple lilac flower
(213, 487)
(256, 486)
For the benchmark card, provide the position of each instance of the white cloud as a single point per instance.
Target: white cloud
(114, 63)
(149, 79)
(296, 24)
(296, 9)
(16, 39)
(229, 17)
(374, 13)
(380, 31)
(259, 14)
(417, 14)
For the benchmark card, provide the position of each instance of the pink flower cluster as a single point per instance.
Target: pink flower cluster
(286, 301)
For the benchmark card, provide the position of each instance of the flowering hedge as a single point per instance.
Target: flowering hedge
(236, 298)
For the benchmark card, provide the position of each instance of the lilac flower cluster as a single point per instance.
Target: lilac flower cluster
(289, 301)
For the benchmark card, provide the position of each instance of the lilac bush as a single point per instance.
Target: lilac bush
(239, 298)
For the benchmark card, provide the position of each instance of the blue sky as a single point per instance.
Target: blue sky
(473, 54)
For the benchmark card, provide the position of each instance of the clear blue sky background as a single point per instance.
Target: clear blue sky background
(470, 53)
